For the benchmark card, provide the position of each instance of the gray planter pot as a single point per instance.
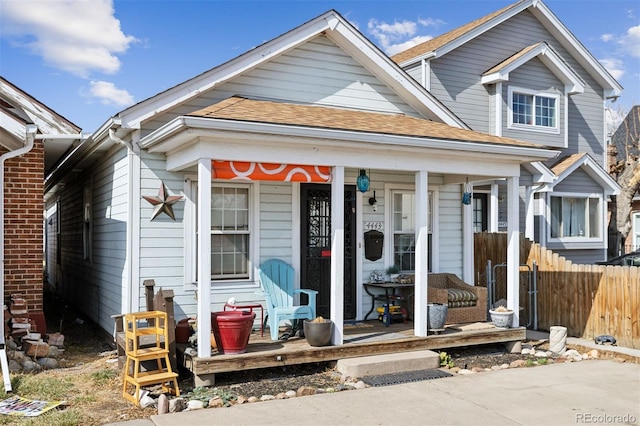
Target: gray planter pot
(436, 316)
(318, 333)
(501, 319)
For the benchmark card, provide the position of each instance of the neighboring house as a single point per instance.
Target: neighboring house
(624, 152)
(32, 138)
(520, 73)
(260, 158)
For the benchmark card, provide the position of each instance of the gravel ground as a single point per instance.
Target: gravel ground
(273, 381)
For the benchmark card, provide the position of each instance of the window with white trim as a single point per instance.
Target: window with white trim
(575, 217)
(230, 232)
(403, 205)
(533, 110)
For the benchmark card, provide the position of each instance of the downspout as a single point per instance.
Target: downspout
(31, 130)
(128, 301)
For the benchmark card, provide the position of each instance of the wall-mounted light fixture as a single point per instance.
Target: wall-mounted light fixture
(373, 202)
(363, 181)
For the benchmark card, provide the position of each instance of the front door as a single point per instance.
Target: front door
(315, 262)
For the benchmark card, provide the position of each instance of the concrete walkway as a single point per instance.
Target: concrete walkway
(595, 391)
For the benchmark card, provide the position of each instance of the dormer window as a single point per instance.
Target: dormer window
(533, 111)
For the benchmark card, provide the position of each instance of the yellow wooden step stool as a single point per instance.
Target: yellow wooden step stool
(146, 337)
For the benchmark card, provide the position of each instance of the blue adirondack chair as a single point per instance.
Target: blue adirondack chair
(276, 280)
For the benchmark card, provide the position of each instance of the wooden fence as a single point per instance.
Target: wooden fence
(590, 300)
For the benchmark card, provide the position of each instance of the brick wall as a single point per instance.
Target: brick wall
(24, 227)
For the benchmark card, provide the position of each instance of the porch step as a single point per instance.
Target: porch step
(389, 363)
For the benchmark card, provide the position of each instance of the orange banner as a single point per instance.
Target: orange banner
(243, 170)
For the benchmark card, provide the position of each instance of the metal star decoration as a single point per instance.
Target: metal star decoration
(163, 203)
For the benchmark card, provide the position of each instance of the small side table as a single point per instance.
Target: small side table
(251, 307)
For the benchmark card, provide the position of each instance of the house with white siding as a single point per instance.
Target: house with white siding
(259, 158)
(520, 73)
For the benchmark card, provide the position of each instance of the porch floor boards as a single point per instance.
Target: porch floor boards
(365, 339)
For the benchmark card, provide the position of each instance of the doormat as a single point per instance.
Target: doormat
(406, 377)
(23, 407)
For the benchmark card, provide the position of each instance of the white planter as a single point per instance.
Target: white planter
(501, 319)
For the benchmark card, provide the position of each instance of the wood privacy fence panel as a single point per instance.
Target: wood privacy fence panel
(590, 300)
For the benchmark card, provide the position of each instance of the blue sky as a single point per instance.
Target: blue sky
(88, 60)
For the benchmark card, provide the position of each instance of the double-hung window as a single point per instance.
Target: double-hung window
(230, 232)
(404, 229)
(535, 111)
(575, 217)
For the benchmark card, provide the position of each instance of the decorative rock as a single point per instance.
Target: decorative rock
(281, 395)
(619, 359)
(504, 366)
(517, 363)
(305, 390)
(54, 352)
(177, 405)
(48, 363)
(14, 366)
(478, 369)
(241, 399)
(267, 398)
(29, 366)
(594, 354)
(527, 351)
(195, 404)
(17, 356)
(253, 399)
(11, 345)
(291, 394)
(465, 371)
(573, 355)
(541, 354)
(495, 368)
(163, 404)
(215, 402)
(455, 370)
(360, 385)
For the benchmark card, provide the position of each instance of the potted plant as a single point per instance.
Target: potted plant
(318, 331)
(501, 317)
(393, 271)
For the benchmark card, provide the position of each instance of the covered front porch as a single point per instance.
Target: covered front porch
(361, 338)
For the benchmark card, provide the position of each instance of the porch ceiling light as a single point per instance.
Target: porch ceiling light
(363, 181)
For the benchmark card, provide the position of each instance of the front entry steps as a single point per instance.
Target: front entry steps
(377, 365)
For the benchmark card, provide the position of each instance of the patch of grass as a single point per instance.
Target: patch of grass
(68, 417)
(529, 363)
(42, 387)
(103, 376)
(543, 361)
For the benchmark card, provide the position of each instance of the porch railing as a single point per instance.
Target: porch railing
(590, 300)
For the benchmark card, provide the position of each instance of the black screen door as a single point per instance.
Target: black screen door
(315, 264)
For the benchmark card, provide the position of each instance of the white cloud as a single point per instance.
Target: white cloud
(606, 37)
(72, 35)
(109, 94)
(401, 47)
(614, 66)
(631, 41)
(398, 36)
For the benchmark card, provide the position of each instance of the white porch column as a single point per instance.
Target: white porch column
(493, 210)
(422, 254)
(529, 212)
(337, 255)
(513, 249)
(204, 257)
(467, 241)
